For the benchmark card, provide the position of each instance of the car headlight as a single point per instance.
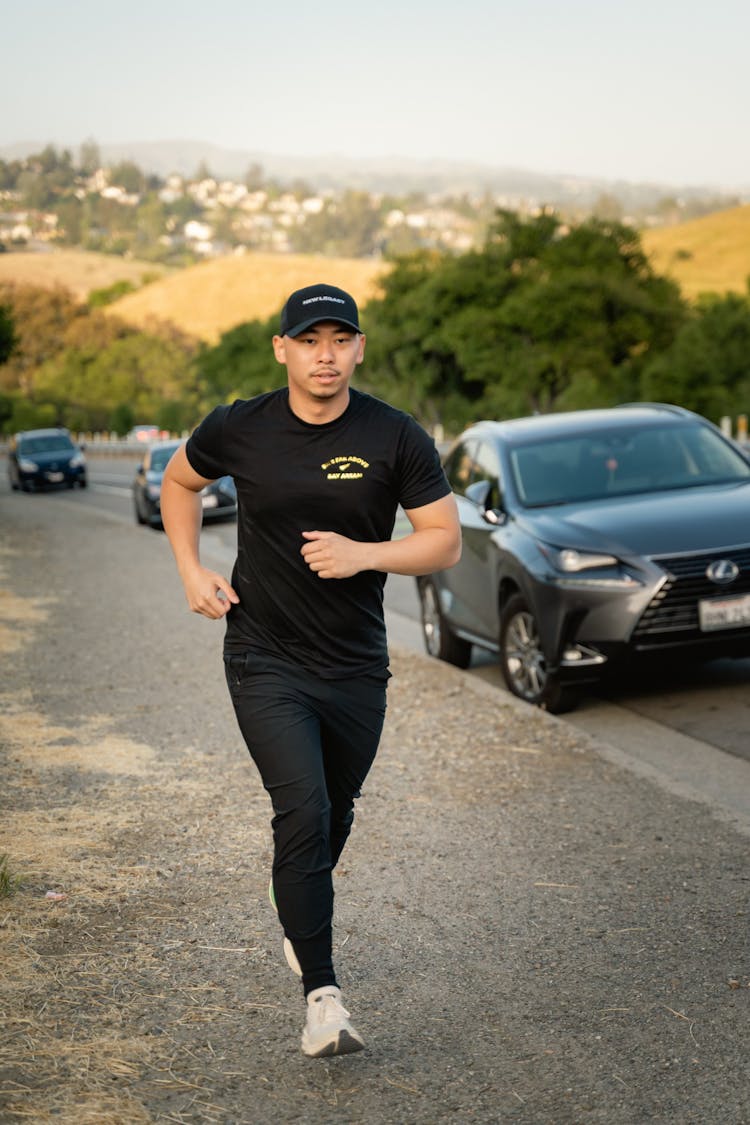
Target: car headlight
(571, 561)
(153, 491)
(576, 567)
(78, 461)
(27, 466)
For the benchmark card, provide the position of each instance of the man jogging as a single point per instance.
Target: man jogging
(320, 470)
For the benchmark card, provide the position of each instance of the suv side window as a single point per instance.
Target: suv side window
(487, 467)
(459, 468)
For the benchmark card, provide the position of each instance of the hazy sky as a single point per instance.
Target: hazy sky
(641, 90)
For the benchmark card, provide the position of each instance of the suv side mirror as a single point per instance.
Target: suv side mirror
(480, 493)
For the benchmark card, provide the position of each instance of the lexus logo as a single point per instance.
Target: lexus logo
(722, 572)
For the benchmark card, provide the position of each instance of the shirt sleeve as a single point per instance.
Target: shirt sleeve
(204, 449)
(422, 480)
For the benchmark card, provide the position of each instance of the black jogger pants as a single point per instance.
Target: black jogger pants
(313, 742)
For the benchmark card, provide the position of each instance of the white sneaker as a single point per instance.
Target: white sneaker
(327, 1030)
(291, 956)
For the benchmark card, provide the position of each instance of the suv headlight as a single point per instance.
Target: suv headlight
(78, 461)
(27, 466)
(576, 568)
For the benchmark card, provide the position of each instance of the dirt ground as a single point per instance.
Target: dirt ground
(524, 932)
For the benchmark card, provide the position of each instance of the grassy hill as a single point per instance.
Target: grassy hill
(208, 299)
(711, 254)
(77, 270)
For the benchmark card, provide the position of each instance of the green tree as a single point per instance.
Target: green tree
(6, 412)
(7, 333)
(27, 415)
(122, 419)
(240, 365)
(41, 318)
(70, 218)
(129, 176)
(89, 157)
(348, 227)
(88, 384)
(10, 170)
(99, 297)
(151, 224)
(543, 318)
(707, 368)
(34, 190)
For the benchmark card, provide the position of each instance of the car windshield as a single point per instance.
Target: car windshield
(46, 443)
(160, 458)
(621, 461)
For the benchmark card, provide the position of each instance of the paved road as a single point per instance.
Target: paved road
(526, 932)
(687, 732)
(711, 704)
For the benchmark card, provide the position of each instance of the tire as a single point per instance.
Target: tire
(138, 517)
(83, 482)
(523, 662)
(439, 640)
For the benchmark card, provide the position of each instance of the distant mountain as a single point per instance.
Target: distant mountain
(394, 174)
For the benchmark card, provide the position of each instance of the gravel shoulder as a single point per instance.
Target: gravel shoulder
(525, 932)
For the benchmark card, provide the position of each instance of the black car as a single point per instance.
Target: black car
(219, 498)
(45, 458)
(589, 537)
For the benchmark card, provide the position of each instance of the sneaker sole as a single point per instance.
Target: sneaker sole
(343, 1044)
(290, 955)
(291, 958)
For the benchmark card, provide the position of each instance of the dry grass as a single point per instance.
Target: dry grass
(210, 298)
(707, 255)
(14, 613)
(77, 270)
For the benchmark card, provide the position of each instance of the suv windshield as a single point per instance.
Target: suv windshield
(623, 460)
(47, 443)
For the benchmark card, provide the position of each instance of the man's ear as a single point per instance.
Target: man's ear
(279, 349)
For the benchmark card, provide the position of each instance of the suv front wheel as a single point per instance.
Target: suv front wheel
(523, 662)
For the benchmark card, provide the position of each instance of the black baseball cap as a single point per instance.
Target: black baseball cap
(314, 303)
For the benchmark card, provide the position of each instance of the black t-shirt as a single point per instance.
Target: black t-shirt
(346, 476)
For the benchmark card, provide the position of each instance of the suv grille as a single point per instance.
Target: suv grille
(672, 615)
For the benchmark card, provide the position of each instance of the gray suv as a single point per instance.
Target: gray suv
(590, 537)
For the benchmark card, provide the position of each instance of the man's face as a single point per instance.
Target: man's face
(321, 360)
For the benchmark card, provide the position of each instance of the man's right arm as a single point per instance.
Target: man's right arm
(207, 592)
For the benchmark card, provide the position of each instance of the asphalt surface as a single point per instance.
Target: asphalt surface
(526, 931)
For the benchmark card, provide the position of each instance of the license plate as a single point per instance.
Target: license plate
(724, 613)
(210, 501)
(55, 478)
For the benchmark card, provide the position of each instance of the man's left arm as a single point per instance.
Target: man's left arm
(433, 544)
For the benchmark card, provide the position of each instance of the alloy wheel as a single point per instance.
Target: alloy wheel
(524, 658)
(431, 624)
